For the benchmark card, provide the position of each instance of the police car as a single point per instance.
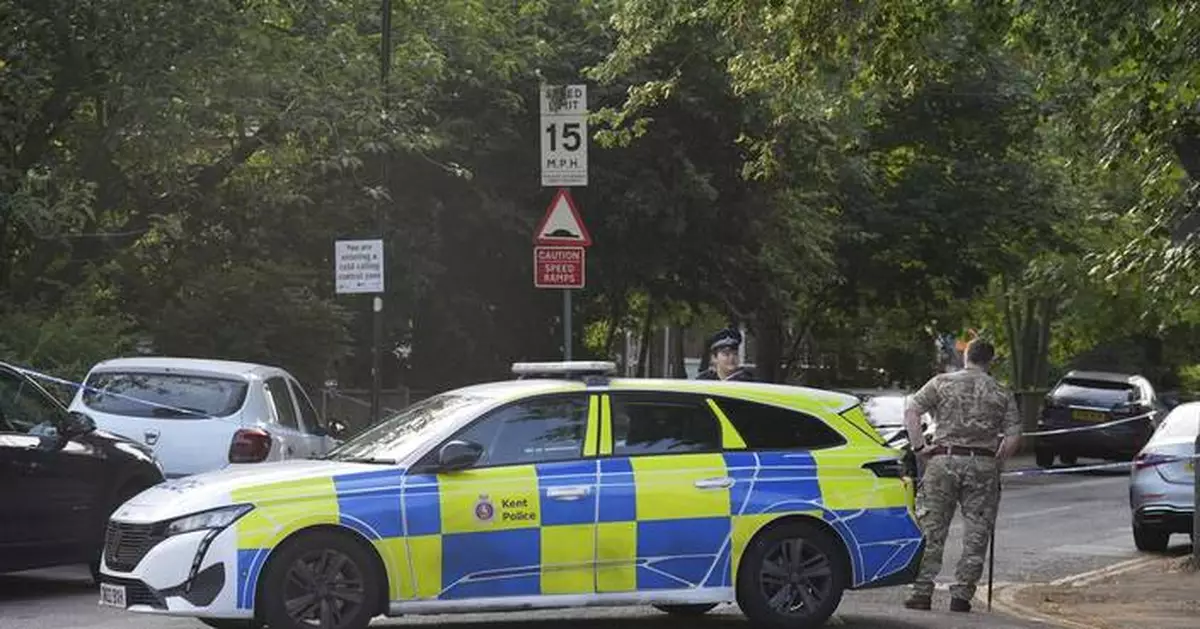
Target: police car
(560, 488)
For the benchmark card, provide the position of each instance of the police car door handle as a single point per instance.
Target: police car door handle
(714, 483)
(567, 493)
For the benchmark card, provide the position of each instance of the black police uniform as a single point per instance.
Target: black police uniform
(728, 337)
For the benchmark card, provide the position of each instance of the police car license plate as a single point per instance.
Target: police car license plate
(112, 595)
(1088, 416)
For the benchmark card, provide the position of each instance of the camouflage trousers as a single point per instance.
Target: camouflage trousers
(951, 482)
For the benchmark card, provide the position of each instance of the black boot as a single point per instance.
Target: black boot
(960, 605)
(922, 602)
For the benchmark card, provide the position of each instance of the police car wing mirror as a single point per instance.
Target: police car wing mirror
(459, 455)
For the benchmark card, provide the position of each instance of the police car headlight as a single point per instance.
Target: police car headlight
(207, 520)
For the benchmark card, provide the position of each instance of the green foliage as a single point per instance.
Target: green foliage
(63, 342)
(1189, 379)
(841, 177)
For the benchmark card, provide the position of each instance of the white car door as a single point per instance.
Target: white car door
(310, 423)
(287, 419)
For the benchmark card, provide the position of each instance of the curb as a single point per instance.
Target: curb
(1092, 576)
(1005, 599)
(1005, 602)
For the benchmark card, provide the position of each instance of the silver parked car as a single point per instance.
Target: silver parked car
(1162, 480)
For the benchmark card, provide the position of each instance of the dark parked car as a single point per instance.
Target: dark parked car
(60, 478)
(1086, 399)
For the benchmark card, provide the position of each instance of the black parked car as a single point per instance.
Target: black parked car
(1085, 399)
(60, 478)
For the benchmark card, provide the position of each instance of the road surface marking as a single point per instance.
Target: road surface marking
(1038, 512)
(1093, 550)
(1090, 576)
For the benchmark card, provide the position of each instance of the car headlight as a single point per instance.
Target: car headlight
(207, 520)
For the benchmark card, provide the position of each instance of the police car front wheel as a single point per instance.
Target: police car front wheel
(321, 579)
(792, 576)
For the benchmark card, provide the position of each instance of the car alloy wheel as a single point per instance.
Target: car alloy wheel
(323, 586)
(793, 576)
(322, 580)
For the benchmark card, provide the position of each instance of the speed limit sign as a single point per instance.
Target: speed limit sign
(564, 135)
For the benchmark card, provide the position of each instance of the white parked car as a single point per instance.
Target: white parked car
(200, 415)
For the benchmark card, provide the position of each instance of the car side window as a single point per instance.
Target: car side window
(765, 427)
(673, 425)
(539, 430)
(23, 407)
(308, 413)
(281, 401)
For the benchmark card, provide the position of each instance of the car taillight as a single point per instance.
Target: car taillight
(249, 445)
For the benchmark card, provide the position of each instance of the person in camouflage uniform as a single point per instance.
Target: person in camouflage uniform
(977, 429)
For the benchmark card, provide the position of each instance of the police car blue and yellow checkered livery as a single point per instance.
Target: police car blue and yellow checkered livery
(536, 493)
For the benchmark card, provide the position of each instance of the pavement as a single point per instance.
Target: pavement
(1155, 592)
(1058, 528)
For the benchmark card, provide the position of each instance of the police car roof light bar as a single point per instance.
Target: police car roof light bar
(564, 369)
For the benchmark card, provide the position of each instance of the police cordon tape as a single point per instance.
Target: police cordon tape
(1160, 460)
(1025, 472)
(1063, 431)
(79, 385)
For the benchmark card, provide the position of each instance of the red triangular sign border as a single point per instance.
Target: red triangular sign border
(587, 237)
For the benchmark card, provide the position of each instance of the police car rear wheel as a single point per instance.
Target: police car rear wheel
(686, 610)
(322, 579)
(792, 576)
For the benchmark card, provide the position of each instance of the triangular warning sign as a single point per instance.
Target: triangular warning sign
(562, 224)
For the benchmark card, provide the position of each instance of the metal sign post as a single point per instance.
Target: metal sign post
(564, 163)
(358, 269)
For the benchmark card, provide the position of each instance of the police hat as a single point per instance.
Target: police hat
(728, 337)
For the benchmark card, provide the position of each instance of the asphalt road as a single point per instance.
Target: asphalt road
(1049, 527)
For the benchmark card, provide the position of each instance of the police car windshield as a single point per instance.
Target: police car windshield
(393, 438)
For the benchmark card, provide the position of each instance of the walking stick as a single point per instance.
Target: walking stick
(991, 566)
(992, 547)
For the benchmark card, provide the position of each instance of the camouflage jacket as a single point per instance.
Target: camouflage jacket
(970, 409)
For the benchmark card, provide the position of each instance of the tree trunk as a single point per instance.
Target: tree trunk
(618, 312)
(643, 368)
(1028, 324)
(1041, 374)
(769, 339)
(678, 368)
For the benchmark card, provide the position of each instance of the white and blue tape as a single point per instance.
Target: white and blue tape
(78, 385)
(1023, 472)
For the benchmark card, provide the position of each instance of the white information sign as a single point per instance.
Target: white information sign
(358, 266)
(564, 135)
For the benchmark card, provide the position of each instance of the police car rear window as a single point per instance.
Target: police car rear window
(765, 427)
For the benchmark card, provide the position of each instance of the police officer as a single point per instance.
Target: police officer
(723, 358)
(961, 467)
